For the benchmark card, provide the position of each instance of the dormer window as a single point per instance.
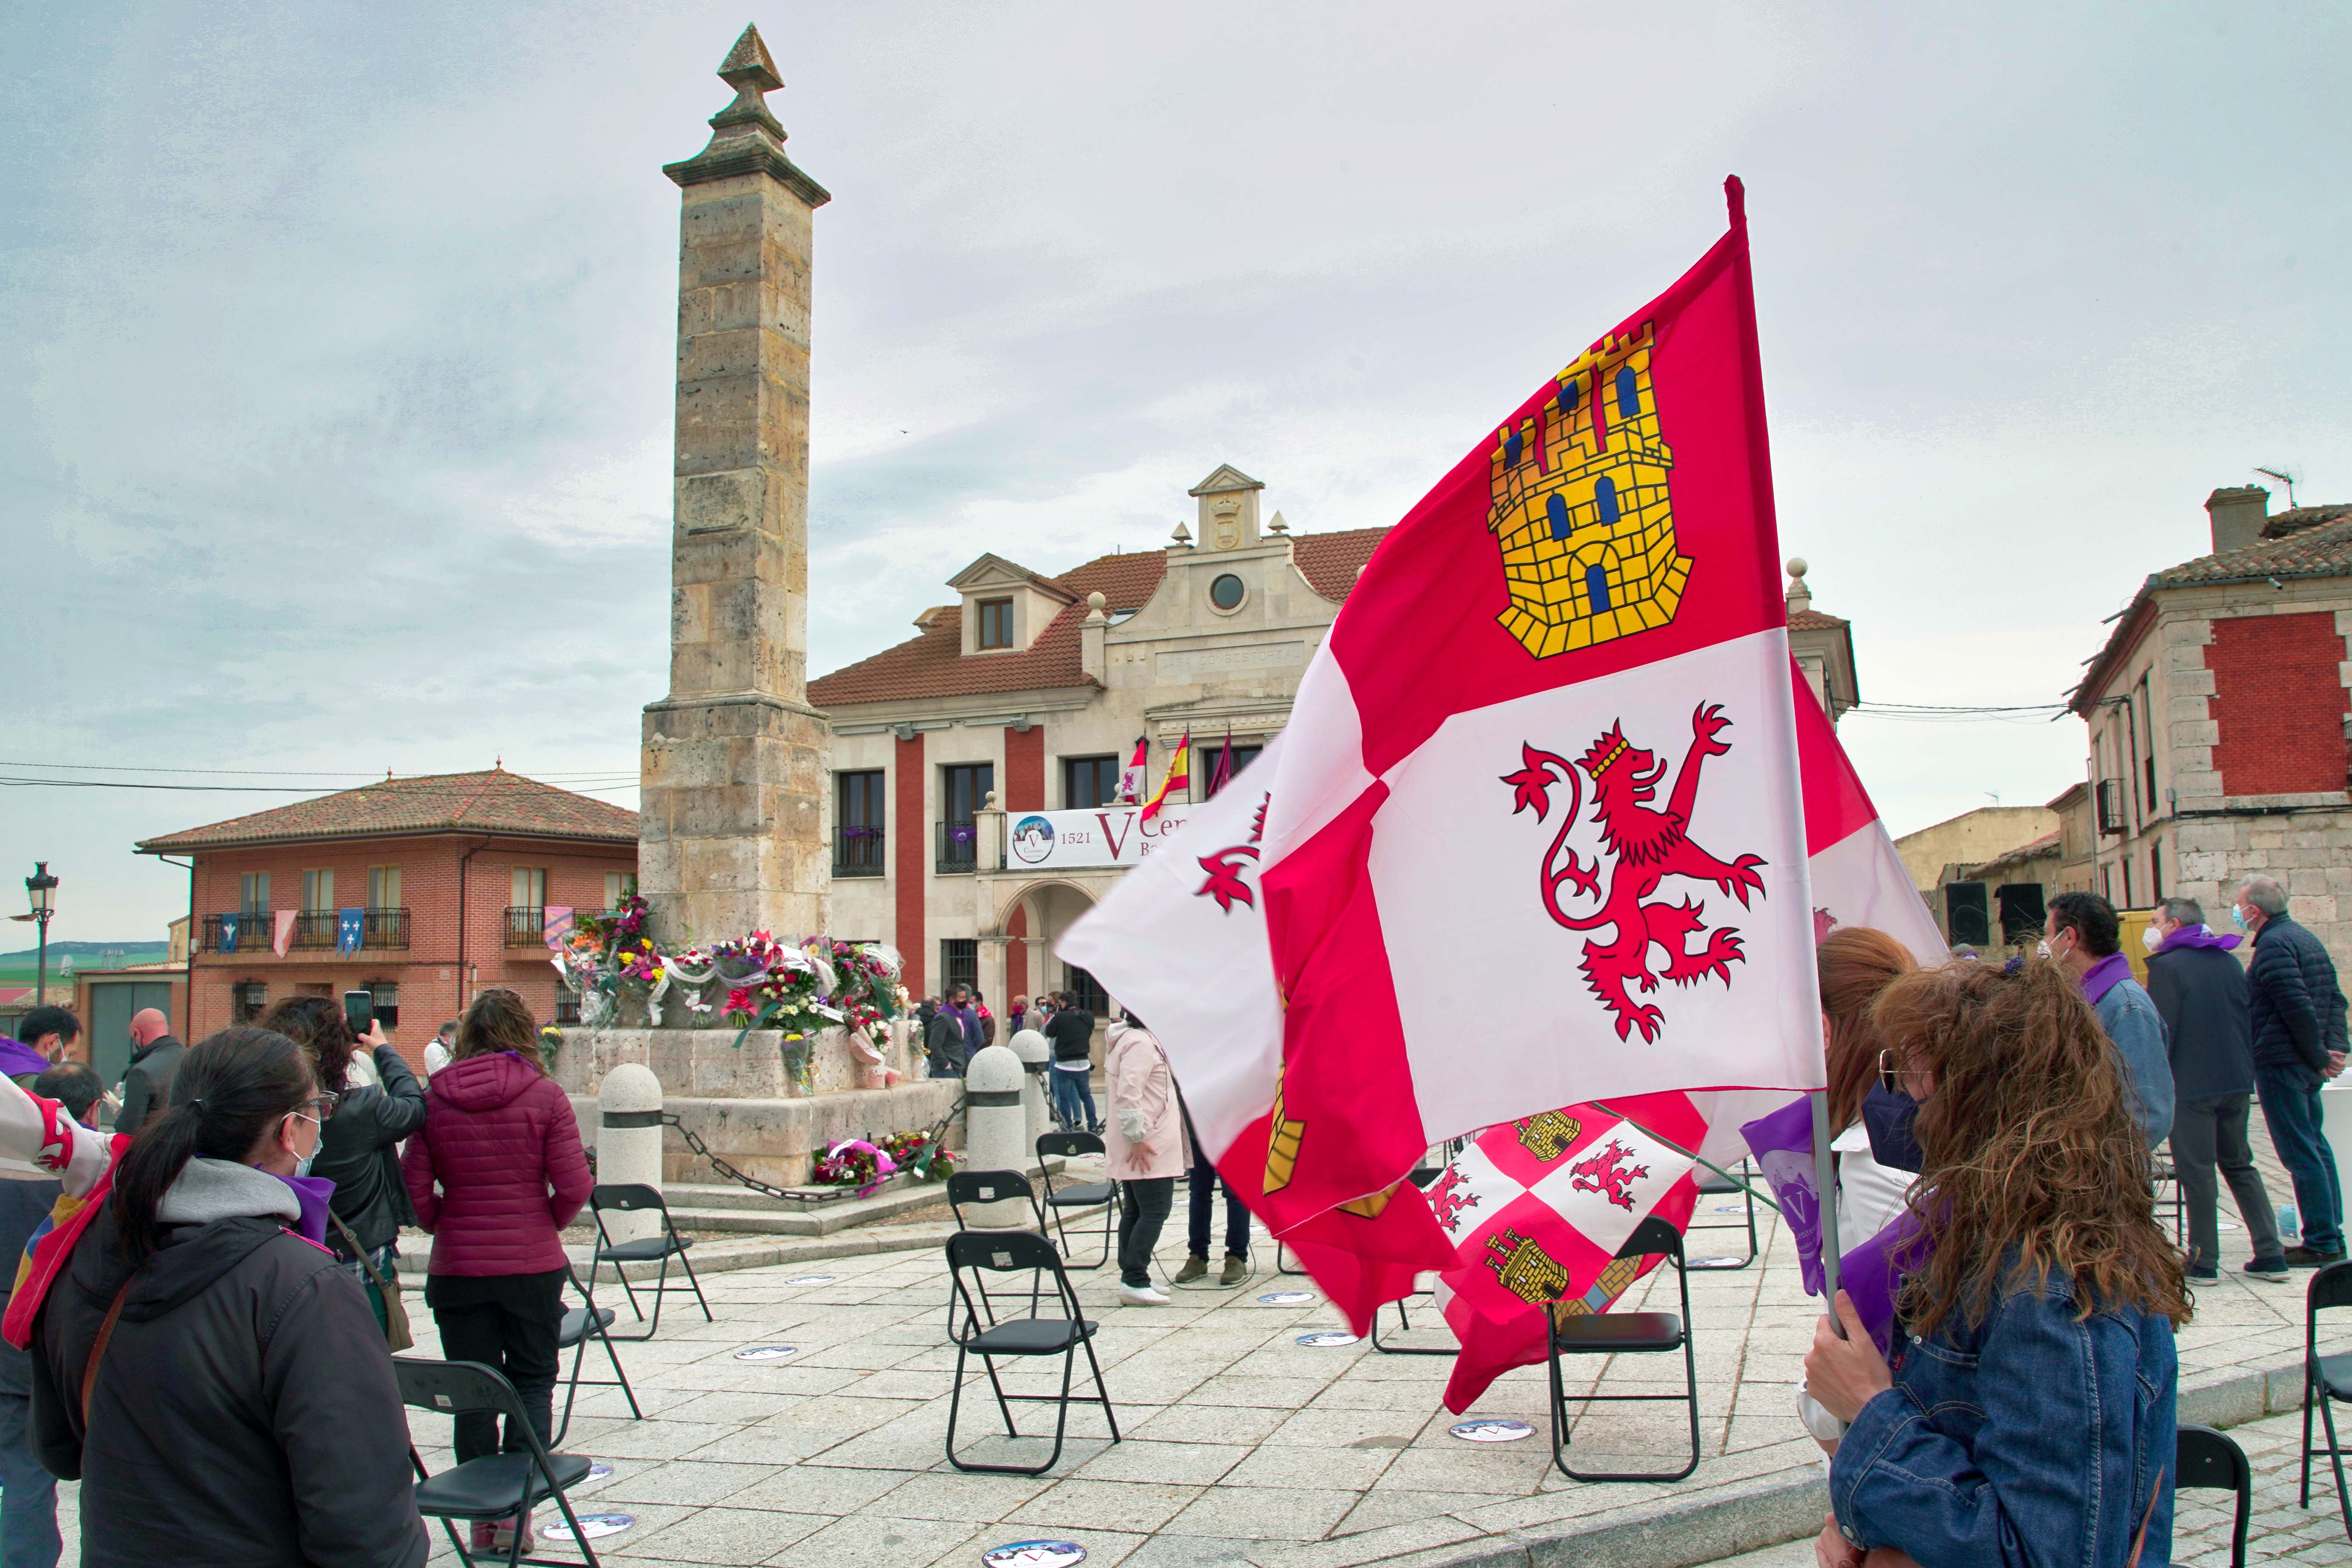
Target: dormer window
(995, 623)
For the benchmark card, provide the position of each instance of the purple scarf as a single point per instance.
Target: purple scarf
(2101, 976)
(2197, 936)
(18, 1059)
(312, 1192)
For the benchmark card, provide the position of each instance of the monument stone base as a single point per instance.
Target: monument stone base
(747, 1104)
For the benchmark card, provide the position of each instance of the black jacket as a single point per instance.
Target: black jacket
(1072, 1030)
(2200, 994)
(147, 1081)
(23, 1206)
(245, 1411)
(2293, 1003)
(369, 1192)
(943, 1039)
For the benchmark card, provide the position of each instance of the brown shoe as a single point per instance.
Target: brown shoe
(1236, 1271)
(1194, 1267)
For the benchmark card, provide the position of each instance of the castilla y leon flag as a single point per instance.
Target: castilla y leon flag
(1537, 837)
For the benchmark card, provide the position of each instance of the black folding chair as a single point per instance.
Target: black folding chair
(993, 1187)
(2205, 1458)
(978, 1252)
(626, 1198)
(2326, 1378)
(496, 1486)
(1711, 1185)
(580, 1325)
(1077, 1194)
(2167, 1172)
(1627, 1333)
(1422, 1177)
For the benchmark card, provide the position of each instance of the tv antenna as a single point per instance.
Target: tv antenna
(2285, 477)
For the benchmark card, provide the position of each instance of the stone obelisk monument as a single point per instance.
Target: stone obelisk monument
(735, 760)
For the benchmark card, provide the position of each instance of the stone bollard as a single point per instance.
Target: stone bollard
(992, 1123)
(1036, 1094)
(629, 1144)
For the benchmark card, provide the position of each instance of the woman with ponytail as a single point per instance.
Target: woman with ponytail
(217, 1384)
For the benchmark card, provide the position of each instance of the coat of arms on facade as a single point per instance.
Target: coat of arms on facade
(1650, 846)
(1610, 1172)
(1582, 510)
(1548, 1134)
(1525, 1269)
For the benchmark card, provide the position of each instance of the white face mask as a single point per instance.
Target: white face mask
(2150, 938)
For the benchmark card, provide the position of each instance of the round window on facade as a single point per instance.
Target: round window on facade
(1227, 592)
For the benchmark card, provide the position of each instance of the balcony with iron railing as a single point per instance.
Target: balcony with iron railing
(858, 852)
(955, 848)
(315, 930)
(526, 925)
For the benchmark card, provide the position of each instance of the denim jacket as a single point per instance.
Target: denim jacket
(2029, 1439)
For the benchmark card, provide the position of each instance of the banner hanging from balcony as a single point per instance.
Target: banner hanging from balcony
(348, 926)
(555, 925)
(1108, 836)
(228, 925)
(285, 938)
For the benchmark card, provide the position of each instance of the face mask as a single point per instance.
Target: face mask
(1892, 1118)
(2150, 938)
(2237, 917)
(302, 1165)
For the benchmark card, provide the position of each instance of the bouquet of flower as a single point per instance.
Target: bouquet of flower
(854, 1162)
(623, 926)
(921, 1153)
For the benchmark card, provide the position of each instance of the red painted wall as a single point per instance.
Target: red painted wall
(2278, 703)
(1025, 770)
(1016, 953)
(910, 841)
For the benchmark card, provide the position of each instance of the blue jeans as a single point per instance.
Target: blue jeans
(28, 1494)
(2290, 1097)
(1072, 1089)
(1204, 1183)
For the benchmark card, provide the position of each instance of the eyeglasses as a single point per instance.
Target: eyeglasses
(1890, 1070)
(326, 1103)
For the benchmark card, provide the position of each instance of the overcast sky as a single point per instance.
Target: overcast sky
(335, 411)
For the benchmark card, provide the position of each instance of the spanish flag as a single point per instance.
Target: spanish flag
(1180, 778)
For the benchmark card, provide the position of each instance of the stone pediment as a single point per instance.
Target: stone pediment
(994, 570)
(1226, 477)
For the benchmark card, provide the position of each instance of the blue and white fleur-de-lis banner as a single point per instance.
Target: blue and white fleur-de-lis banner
(347, 929)
(228, 925)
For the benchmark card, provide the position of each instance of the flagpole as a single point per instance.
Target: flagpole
(1692, 1155)
(1825, 1183)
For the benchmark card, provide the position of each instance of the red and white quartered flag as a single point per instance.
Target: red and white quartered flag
(1858, 878)
(1537, 835)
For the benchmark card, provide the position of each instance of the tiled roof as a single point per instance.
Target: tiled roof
(2308, 542)
(2045, 844)
(1815, 621)
(492, 802)
(934, 664)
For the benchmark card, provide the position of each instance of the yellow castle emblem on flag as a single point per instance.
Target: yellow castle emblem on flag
(1582, 510)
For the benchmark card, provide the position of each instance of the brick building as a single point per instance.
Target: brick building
(421, 890)
(2217, 714)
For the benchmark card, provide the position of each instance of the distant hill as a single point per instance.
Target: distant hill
(17, 968)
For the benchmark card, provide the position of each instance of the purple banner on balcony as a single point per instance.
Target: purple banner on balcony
(348, 925)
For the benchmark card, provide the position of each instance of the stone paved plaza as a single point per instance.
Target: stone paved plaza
(1241, 1445)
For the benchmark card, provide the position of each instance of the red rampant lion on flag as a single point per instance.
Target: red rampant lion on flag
(1448, 1204)
(1651, 846)
(1608, 1173)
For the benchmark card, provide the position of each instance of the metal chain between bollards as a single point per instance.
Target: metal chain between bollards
(939, 1130)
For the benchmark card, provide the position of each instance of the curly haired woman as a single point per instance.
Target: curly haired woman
(2029, 1412)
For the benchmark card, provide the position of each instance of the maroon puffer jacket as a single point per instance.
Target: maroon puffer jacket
(498, 1136)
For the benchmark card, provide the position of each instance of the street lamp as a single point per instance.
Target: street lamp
(39, 887)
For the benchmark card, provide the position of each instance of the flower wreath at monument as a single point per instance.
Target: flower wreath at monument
(755, 981)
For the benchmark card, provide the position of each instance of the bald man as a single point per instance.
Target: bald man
(155, 1053)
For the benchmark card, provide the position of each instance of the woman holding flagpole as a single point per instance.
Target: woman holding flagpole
(2028, 1415)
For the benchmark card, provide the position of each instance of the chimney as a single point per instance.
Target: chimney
(2238, 513)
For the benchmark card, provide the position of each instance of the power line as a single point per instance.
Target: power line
(362, 773)
(611, 781)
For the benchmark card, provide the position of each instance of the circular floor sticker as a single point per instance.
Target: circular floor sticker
(810, 1279)
(1036, 1554)
(593, 1526)
(1326, 1341)
(1286, 1298)
(598, 1473)
(1491, 1431)
(1730, 1208)
(767, 1353)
